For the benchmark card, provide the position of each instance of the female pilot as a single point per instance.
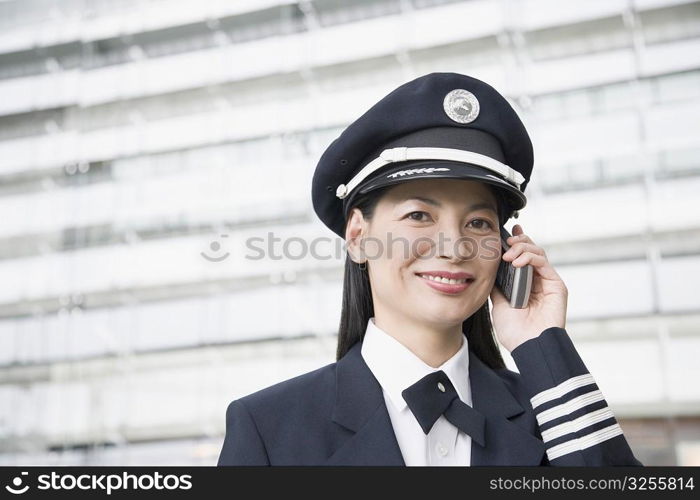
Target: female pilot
(419, 187)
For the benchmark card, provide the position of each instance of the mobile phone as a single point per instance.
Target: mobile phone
(514, 282)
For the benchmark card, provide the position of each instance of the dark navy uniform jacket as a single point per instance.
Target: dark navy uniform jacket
(551, 413)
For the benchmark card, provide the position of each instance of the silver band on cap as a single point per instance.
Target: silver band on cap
(394, 155)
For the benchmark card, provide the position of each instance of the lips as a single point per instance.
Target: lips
(447, 277)
(448, 283)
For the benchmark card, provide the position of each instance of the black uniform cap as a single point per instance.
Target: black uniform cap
(441, 125)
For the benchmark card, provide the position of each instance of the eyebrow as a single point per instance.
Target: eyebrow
(475, 206)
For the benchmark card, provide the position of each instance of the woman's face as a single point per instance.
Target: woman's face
(429, 226)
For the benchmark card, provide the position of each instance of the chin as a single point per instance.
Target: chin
(443, 314)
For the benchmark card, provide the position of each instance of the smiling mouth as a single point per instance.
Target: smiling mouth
(446, 281)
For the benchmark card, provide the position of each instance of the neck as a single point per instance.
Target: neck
(432, 344)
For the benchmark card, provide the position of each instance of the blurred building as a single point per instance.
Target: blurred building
(143, 143)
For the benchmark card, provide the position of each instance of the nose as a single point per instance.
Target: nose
(450, 240)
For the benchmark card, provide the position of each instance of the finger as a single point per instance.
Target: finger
(519, 248)
(518, 235)
(531, 258)
(540, 263)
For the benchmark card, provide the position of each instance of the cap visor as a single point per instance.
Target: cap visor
(408, 171)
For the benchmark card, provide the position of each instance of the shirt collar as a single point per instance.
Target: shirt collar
(396, 367)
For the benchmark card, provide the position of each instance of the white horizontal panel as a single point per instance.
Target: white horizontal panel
(668, 205)
(537, 14)
(589, 137)
(673, 204)
(348, 42)
(17, 40)
(677, 283)
(683, 367)
(39, 92)
(7, 343)
(655, 4)
(450, 23)
(669, 57)
(178, 452)
(9, 396)
(580, 71)
(165, 14)
(608, 289)
(66, 410)
(627, 372)
(30, 153)
(673, 123)
(53, 29)
(59, 30)
(590, 214)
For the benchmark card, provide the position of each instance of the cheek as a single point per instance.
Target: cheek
(373, 249)
(418, 247)
(387, 267)
(394, 270)
(422, 247)
(490, 254)
(407, 243)
(488, 268)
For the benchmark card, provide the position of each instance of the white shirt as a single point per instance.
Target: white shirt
(395, 367)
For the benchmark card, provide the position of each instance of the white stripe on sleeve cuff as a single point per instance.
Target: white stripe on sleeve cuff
(577, 424)
(570, 406)
(561, 389)
(584, 442)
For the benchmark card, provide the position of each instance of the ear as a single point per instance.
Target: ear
(355, 230)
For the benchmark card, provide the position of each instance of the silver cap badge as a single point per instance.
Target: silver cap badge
(461, 106)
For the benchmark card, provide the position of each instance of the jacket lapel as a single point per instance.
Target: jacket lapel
(506, 443)
(359, 407)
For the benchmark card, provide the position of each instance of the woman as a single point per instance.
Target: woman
(419, 187)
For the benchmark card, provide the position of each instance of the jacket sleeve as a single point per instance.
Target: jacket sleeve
(242, 443)
(576, 424)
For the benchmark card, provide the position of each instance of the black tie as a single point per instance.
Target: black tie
(434, 395)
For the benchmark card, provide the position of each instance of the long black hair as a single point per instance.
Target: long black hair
(357, 306)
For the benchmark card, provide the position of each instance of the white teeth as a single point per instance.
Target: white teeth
(443, 280)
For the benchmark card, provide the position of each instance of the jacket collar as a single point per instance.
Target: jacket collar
(359, 407)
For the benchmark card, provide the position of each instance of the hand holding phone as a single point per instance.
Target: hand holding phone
(514, 282)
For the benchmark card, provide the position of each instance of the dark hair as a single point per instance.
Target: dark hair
(357, 306)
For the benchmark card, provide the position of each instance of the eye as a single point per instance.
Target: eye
(482, 224)
(417, 216)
